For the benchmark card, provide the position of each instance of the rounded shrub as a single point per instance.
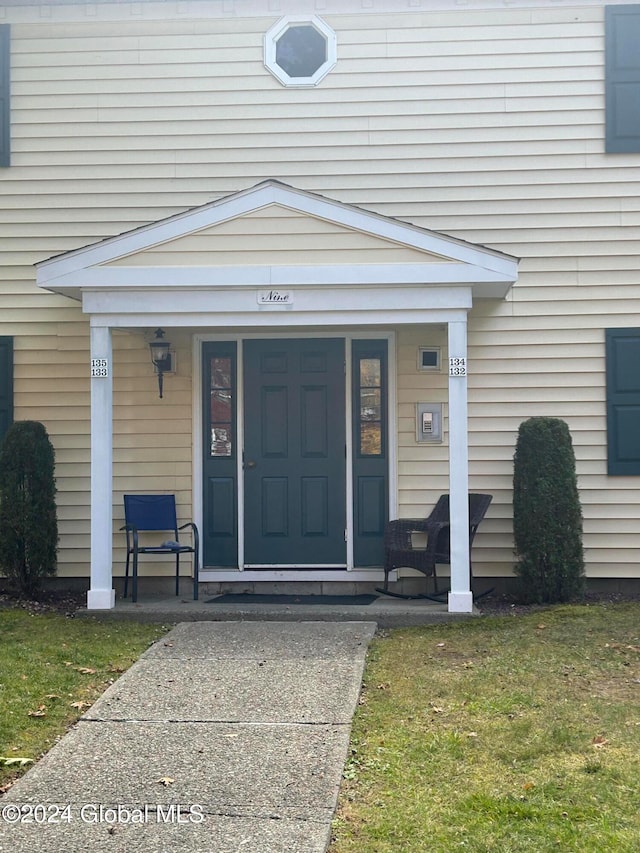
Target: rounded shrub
(28, 519)
(547, 517)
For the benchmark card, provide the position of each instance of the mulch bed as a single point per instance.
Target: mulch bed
(505, 605)
(49, 601)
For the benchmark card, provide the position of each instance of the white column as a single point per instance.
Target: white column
(460, 597)
(101, 595)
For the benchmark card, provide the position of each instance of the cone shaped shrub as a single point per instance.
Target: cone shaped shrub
(547, 517)
(28, 519)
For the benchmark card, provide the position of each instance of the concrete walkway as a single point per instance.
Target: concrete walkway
(224, 737)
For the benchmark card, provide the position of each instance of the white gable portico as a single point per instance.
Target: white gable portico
(274, 260)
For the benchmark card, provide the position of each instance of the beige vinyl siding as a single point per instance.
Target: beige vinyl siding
(484, 123)
(152, 437)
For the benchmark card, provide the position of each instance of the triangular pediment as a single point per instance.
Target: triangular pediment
(276, 235)
(273, 234)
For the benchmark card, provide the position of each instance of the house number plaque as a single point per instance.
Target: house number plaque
(457, 366)
(99, 367)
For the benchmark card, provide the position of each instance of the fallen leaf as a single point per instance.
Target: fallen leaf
(472, 734)
(440, 645)
(599, 741)
(384, 686)
(40, 712)
(528, 786)
(80, 705)
(623, 646)
(20, 761)
(52, 696)
(166, 780)
(85, 670)
(541, 627)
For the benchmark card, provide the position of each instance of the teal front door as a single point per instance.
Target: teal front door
(294, 453)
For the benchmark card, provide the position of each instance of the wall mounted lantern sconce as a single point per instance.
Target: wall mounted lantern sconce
(160, 356)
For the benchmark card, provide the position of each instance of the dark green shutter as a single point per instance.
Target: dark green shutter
(622, 81)
(5, 105)
(6, 384)
(623, 400)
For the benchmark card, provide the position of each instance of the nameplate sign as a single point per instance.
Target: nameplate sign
(275, 297)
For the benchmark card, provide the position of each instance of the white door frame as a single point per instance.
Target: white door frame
(292, 574)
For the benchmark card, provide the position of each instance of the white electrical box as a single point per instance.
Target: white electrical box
(429, 422)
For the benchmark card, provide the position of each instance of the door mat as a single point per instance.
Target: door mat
(260, 598)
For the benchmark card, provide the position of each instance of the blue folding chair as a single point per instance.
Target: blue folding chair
(143, 513)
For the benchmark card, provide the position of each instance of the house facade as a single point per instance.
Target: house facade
(377, 236)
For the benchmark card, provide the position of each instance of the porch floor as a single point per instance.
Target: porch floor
(386, 612)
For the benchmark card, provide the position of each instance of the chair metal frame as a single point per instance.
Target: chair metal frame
(155, 513)
(400, 552)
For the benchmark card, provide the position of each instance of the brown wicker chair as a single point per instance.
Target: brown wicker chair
(400, 552)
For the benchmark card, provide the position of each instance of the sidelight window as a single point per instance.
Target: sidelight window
(222, 397)
(369, 376)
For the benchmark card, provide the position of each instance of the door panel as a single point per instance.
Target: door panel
(294, 452)
(273, 421)
(371, 496)
(222, 501)
(315, 502)
(274, 506)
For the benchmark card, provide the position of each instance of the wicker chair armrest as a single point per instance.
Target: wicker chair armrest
(398, 532)
(433, 530)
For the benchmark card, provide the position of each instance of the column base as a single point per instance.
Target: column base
(460, 602)
(101, 599)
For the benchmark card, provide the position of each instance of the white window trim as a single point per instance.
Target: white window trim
(434, 368)
(278, 29)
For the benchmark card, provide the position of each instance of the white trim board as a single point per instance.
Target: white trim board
(293, 575)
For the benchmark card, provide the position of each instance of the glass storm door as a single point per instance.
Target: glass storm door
(294, 453)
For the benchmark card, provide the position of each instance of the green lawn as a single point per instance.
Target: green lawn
(515, 733)
(51, 669)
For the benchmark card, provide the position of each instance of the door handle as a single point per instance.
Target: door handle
(250, 464)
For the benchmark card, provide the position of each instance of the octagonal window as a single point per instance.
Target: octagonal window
(300, 51)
